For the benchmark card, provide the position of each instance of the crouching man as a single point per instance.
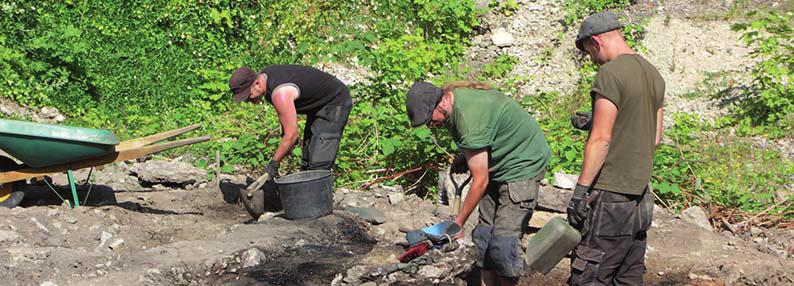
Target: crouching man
(506, 153)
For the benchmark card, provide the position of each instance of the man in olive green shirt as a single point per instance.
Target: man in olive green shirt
(506, 153)
(611, 204)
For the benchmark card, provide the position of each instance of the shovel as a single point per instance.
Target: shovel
(458, 191)
(253, 197)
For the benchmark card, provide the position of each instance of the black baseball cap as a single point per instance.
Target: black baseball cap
(597, 24)
(240, 83)
(421, 100)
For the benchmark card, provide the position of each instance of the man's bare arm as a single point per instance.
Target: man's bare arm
(597, 147)
(477, 160)
(284, 102)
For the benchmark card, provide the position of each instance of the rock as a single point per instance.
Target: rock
(48, 283)
(431, 272)
(70, 219)
(104, 238)
(396, 198)
(52, 113)
(39, 225)
(168, 173)
(565, 181)
(501, 38)
(755, 231)
(252, 257)
(53, 212)
(266, 216)
(697, 216)
(371, 215)
(8, 236)
(370, 283)
(116, 244)
(355, 274)
(553, 199)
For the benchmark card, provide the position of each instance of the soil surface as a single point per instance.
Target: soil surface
(201, 236)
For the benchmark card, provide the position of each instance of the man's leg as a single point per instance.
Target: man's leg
(515, 206)
(607, 239)
(633, 268)
(327, 127)
(481, 236)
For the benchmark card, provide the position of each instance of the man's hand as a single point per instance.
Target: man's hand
(271, 171)
(459, 164)
(582, 120)
(272, 168)
(578, 207)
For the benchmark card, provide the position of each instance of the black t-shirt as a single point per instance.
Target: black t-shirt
(315, 87)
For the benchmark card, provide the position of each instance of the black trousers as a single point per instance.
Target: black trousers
(612, 249)
(323, 132)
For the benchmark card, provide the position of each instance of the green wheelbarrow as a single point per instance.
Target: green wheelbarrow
(46, 149)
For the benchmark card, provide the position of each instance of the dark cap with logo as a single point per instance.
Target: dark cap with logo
(240, 83)
(421, 100)
(597, 24)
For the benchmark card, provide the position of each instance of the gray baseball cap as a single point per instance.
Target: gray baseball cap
(421, 100)
(597, 24)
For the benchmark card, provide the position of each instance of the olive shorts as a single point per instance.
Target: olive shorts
(505, 210)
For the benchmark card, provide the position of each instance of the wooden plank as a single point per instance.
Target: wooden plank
(140, 142)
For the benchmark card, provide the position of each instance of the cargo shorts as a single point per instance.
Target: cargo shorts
(505, 210)
(323, 133)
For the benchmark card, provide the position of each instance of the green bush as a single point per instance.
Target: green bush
(770, 100)
(147, 66)
(702, 166)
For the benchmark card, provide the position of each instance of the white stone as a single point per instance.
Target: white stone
(252, 257)
(396, 198)
(116, 244)
(502, 38)
(565, 181)
(7, 235)
(697, 216)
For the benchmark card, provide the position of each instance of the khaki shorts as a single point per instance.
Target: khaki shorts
(505, 210)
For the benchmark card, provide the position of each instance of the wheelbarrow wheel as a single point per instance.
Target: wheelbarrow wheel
(11, 194)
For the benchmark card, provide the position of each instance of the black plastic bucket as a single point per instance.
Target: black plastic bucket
(307, 194)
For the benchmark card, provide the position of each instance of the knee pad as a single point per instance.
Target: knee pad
(507, 256)
(481, 236)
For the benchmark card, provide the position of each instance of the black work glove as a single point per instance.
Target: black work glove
(578, 207)
(582, 120)
(459, 164)
(271, 171)
(272, 168)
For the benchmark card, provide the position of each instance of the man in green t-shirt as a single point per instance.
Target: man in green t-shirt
(506, 153)
(611, 204)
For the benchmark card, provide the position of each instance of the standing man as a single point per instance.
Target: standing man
(294, 90)
(611, 204)
(507, 155)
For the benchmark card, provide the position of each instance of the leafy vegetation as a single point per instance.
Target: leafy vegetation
(146, 66)
(769, 103)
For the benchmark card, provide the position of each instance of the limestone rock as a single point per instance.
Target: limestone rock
(168, 173)
(501, 38)
(697, 216)
(565, 181)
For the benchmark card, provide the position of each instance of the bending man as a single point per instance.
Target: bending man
(506, 153)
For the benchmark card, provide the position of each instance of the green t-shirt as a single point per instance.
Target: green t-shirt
(489, 119)
(637, 90)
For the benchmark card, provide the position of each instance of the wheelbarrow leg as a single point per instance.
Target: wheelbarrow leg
(74, 190)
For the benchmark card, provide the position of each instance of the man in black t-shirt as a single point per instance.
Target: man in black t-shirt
(293, 90)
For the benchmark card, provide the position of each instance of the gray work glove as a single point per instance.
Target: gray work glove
(459, 164)
(271, 171)
(582, 120)
(578, 207)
